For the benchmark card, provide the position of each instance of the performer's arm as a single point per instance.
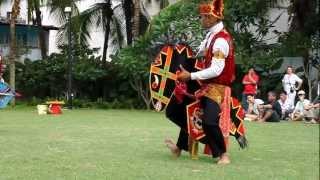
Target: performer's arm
(214, 70)
(220, 52)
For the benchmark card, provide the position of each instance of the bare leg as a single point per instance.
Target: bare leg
(266, 115)
(261, 113)
(175, 151)
(253, 117)
(224, 159)
(297, 117)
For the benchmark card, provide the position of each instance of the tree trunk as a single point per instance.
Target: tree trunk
(106, 41)
(136, 19)
(163, 4)
(107, 14)
(307, 72)
(42, 42)
(12, 56)
(127, 7)
(142, 91)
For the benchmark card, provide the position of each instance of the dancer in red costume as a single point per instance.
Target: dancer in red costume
(216, 74)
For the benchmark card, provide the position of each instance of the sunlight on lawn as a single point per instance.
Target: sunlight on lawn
(125, 144)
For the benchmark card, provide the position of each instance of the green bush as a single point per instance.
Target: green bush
(95, 85)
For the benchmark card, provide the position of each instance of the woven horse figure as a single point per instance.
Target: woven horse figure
(6, 94)
(179, 101)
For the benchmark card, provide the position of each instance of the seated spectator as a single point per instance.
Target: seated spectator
(271, 111)
(252, 113)
(286, 106)
(250, 83)
(299, 112)
(312, 112)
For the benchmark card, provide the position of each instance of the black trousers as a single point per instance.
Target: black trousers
(177, 114)
(214, 137)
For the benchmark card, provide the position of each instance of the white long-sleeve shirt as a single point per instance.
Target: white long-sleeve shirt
(217, 64)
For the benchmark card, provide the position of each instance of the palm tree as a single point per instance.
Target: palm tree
(108, 16)
(136, 18)
(34, 7)
(305, 23)
(163, 3)
(99, 15)
(12, 56)
(127, 6)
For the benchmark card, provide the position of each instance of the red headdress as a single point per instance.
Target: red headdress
(215, 8)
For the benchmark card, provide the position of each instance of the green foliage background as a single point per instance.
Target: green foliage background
(177, 21)
(123, 83)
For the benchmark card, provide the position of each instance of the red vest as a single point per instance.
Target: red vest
(228, 74)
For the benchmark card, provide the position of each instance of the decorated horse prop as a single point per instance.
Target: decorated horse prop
(6, 94)
(180, 98)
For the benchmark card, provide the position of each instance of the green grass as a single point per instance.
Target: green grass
(125, 144)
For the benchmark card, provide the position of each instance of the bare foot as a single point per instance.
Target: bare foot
(175, 151)
(224, 159)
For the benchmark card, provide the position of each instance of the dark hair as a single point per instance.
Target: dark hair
(283, 92)
(251, 95)
(290, 67)
(273, 93)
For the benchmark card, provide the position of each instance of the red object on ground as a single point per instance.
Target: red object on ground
(55, 109)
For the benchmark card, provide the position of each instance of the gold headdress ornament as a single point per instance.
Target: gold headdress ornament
(215, 8)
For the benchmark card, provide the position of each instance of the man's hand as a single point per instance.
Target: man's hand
(251, 79)
(184, 75)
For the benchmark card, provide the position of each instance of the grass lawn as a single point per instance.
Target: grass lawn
(127, 144)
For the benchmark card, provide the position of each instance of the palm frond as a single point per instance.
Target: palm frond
(56, 9)
(120, 25)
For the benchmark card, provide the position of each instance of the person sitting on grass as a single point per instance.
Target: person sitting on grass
(286, 106)
(271, 111)
(312, 112)
(252, 113)
(299, 113)
(250, 86)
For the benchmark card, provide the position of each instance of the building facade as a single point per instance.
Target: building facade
(27, 37)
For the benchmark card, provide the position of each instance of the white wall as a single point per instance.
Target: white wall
(281, 25)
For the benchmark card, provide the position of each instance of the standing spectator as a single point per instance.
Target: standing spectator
(289, 83)
(299, 112)
(271, 111)
(286, 105)
(252, 113)
(250, 85)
